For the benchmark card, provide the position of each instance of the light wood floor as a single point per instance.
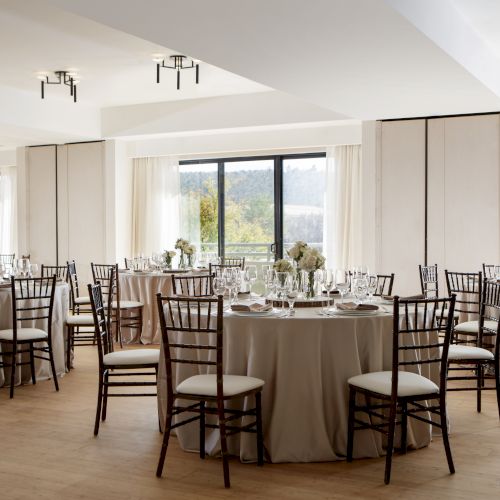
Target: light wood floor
(47, 451)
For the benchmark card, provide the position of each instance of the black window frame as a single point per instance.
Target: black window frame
(278, 191)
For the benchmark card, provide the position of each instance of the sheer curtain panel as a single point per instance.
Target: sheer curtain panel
(342, 222)
(156, 202)
(8, 210)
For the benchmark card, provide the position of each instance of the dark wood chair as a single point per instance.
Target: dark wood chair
(489, 271)
(233, 261)
(195, 286)
(214, 269)
(480, 350)
(32, 302)
(78, 303)
(393, 396)
(60, 272)
(385, 282)
(183, 321)
(117, 365)
(126, 313)
(429, 284)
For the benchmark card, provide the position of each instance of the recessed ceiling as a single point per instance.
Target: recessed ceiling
(115, 68)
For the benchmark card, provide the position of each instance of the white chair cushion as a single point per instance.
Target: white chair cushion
(126, 304)
(455, 313)
(24, 334)
(206, 385)
(133, 357)
(461, 352)
(473, 326)
(80, 320)
(82, 300)
(409, 384)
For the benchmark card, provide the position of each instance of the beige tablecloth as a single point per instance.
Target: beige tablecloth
(143, 288)
(305, 362)
(59, 314)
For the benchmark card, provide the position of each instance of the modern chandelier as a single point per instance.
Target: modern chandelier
(68, 78)
(178, 62)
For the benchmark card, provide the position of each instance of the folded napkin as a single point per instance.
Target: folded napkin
(255, 307)
(351, 306)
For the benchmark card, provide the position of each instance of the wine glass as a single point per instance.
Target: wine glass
(280, 281)
(329, 285)
(342, 282)
(292, 292)
(251, 275)
(360, 288)
(33, 270)
(23, 267)
(231, 283)
(270, 282)
(219, 285)
(372, 284)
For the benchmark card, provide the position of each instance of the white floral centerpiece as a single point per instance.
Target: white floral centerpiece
(296, 253)
(182, 245)
(190, 250)
(310, 262)
(168, 255)
(283, 266)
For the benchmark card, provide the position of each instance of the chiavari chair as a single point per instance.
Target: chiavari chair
(429, 284)
(475, 357)
(114, 366)
(126, 313)
(385, 282)
(32, 303)
(233, 261)
(194, 286)
(60, 272)
(218, 269)
(78, 303)
(395, 395)
(489, 271)
(192, 335)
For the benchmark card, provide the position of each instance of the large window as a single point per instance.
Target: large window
(253, 207)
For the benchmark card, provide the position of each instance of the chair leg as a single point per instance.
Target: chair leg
(223, 442)
(105, 396)
(53, 366)
(480, 375)
(497, 382)
(350, 423)
(444, 432)
(260, 434)
(69, 330)
(13, 370)
(202, 429)
(166, 436)
(32, 364)
(99, 405)
(404, 427)
(390, 442)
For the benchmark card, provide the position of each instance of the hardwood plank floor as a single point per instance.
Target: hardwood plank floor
(48, 451)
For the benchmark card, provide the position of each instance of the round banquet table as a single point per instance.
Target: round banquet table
(59, 315)
(305, 362)
(143, 287)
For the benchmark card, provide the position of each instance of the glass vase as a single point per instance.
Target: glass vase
(310, 292)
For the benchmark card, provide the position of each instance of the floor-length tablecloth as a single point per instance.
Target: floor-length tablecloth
(59, 315)
(143, 287)
(305, 362)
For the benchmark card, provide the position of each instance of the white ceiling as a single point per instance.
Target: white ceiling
(115, 68)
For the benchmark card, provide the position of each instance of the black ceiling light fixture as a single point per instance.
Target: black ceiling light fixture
(178, 62)
(69, 78)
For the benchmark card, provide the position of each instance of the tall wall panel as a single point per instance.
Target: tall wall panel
(402, 202)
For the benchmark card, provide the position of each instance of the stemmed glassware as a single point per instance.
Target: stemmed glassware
(231, 280)
(23, 267)
(33, 270)
(372, 283)
(292, 292)
(329, 285)
(219, 285)
(360, 288)
(280, 281)
(342, 282)
(251, 275)
(270, 282)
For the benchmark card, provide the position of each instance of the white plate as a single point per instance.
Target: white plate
(252, 313)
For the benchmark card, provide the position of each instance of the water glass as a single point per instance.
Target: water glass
(292, 292)
(342, 282)
(372, 284)
(329, 285)
(219, 285)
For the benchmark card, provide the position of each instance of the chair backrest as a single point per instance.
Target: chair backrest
(7, 258)
(101, 314)
(60, 272)
(195, 286)
(127, 263)
(490, 311)
(73, 280)
(421, 336)
(385, 283)
(192, 335)
(107, 276)
(429, 281)
(32, 300)
(468, 287)
(215, 269)
(489, 271)
(233, 261)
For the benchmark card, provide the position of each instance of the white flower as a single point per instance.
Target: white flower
(189, 249)
(181, 244)
(297, 250)
(311, 260)
(283, 266)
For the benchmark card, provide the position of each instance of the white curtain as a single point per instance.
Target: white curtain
(8, 210)
(156, 202)
(342, 232)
